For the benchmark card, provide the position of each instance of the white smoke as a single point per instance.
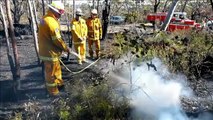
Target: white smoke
(155, 95)
(205, 116)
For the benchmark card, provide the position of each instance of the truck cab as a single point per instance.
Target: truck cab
(180, 16)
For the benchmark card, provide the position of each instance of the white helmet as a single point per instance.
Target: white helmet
(79, 12)
(57, 6)
(94, 11)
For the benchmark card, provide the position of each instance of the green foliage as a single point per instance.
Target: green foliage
(131, 17)
(63, 110)
(118, 47)
(89, 101)
(17, 116)
(184, 51)
(64, 114)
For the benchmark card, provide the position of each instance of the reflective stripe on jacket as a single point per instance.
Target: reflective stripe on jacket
(51, 44)
(94, 28)
(48, 58)
(51, 84)
(77, 43)
(79, 30)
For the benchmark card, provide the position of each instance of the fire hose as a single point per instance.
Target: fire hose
(74, 73)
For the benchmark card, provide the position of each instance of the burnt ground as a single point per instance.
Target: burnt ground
(31, 95)
(30, 78)
(31, 85)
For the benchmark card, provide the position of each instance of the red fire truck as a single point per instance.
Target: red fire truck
(179, 21)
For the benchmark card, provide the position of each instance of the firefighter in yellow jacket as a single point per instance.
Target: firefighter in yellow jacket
(79, 36)
(51, 46)
(94, 33)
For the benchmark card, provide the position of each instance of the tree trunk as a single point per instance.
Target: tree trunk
(157, 2)
(73, 9)
(127, 6)
(68, 29)
(1, 20)
(34, 29)
(211, 2)
(184, 6)
(15, 16)
(165, 5)
(93, 4)
(136, 8)
(5, 28)
(16, 70)
(14, 42)
(35, 13)
(105, 19)
(169, 15)
(98, 3)
(10, 58)
(18, 10)
(43, 7)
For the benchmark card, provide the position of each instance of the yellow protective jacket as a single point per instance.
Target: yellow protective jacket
(79, 30)
(94, 28)
(51, 44)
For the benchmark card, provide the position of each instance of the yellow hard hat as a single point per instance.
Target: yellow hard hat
(57, 6)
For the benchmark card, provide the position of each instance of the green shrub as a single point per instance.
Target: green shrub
(189, 52)
(89, 101)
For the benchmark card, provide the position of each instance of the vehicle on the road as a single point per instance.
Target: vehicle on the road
(117, 19)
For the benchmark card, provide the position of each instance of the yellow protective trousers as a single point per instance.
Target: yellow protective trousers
(80, 49)
(53, 76)
(97, 46)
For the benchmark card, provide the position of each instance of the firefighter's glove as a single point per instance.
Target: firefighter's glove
(81, 39)
(84, 39)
